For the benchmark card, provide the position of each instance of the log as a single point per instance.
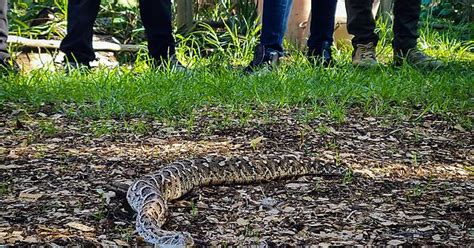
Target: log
(54, 44)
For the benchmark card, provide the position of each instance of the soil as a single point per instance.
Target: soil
(410, 180)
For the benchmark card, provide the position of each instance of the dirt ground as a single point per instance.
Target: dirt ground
(411, 181)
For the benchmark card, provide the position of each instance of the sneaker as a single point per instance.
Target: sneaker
(364, 55)
(171, 64)
(416, 58)
(321, 56)
(8, 65)
(264, 57)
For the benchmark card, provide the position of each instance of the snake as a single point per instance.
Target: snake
(149, 195)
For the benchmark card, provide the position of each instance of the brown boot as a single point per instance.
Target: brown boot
(416, 58)
(364, 55)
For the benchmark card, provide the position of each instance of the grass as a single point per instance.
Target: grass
(214, 81)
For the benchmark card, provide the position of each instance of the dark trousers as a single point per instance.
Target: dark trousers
(361, 23)
(323, 15)
(3, 30)
(275, 21)
(156, 18)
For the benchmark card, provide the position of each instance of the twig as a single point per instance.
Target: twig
(349, 216)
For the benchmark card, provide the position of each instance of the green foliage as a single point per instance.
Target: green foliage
(456, 11)
(141, 91)
(48, 129)
(50, 14)
(47, 18)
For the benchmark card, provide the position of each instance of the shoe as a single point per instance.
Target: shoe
(264, 57)
(415, 58)
(365, 55)
(321, 56)
(8, 65)
(172, 64)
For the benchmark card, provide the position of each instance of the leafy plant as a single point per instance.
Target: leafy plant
(457, 11)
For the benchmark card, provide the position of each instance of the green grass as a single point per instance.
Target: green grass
(123, 92)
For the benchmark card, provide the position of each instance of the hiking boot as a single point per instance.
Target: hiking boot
(264, 57)
(321, 56)
(364, 55)
(8, 65)
(172, 64)
(415, 58)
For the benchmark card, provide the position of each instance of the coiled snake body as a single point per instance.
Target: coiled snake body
(150, 194)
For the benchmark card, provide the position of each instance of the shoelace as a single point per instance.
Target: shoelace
(366, 50)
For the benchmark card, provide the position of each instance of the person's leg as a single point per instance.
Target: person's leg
(323, 14)
(3, 30)
(405, 26)
(156, 17)
(405, 29)
(6, 63)
(77, 45)
(361, 24)
(322, 23)
(274, 23)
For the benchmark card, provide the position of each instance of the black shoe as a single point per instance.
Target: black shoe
(415, 58)
(8, 65)
(264, 57)
(321, 55)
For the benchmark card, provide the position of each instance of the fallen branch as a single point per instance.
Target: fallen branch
(54, 44)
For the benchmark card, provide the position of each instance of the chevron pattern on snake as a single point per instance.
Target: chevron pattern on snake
(150, 194)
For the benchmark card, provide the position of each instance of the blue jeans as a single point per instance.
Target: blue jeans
(275, 21)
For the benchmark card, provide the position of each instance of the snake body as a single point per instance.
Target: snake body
(149, 195)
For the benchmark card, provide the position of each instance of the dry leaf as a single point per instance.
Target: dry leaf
(255, 142)
(459, 128)
(288, 209)
(395, 242)
(30, 197)
(121, 243)
(80, 227)
(242, 222)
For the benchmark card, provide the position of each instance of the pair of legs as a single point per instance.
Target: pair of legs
(156, 18)
(361, 24)
(275, 21)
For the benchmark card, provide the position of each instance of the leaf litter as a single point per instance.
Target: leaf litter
(63, 183)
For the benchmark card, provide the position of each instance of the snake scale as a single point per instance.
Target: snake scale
(149, 195)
